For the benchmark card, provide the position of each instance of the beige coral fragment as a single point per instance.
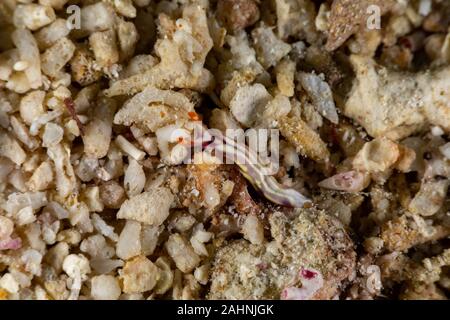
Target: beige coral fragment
(11, 149)
(182, 52)
(151, 207)
(395, 104)
(348, 16)
(139, 275)
(97, 136)
(306, 141)
(154, 108)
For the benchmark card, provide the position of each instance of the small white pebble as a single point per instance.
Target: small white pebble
(105, 287)
(150, 145)
(32, 261)
(437, 131)
(253, 230)
(52, 103)
(62, 93)
(427, 264)
(76, 265)
(25, 216)
(425, 7)
(445, 150)
(201, 274)
(21, 65)
(53, 134)
(8, 283)
(6, 227)
(129, 148)
(72, 127)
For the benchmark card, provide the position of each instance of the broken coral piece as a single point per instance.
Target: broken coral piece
(311, 280)
(396, 104)
(351, 181)
(348, 16)
(179, 67)
(153, 108)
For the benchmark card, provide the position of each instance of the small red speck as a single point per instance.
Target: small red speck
(406, 43)
(334, 134)
(262, 266)
(194, 116)
(180, 139)
(128, 135)
(308, 274)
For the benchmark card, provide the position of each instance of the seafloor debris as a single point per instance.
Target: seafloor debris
(108, 190)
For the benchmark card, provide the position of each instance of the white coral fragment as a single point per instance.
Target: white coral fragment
(248, 101)
(154, 108)
(182, 253)
(129, 244)
(65, 176)
(269, 49)
(321, 95)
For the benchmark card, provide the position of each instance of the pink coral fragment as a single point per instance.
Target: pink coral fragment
(312, 281)
(10, 244)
